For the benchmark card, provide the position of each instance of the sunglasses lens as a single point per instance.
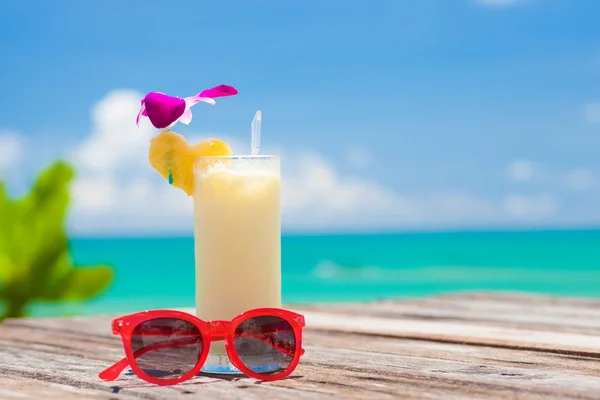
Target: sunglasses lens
(265, 344)
(166, 348)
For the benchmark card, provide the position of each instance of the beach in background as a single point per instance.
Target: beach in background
(159, 272)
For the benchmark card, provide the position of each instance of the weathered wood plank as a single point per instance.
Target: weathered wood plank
(481, 355)
(11, 387)
(372, 356)
(524, 298)
(524, 311)
(453, 332)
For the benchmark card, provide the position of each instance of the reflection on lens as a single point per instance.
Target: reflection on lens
(266, 344)
(166, 348)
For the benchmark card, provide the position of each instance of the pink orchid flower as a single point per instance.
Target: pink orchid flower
(164, 111)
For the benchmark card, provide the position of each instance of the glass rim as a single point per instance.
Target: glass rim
(239, 157)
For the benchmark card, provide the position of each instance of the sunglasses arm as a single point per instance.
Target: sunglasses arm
(111, 373)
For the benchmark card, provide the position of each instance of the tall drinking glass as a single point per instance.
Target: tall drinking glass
(237, 240)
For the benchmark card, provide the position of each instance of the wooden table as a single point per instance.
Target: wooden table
(467, 346)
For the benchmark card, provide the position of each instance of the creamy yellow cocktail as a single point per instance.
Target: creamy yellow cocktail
(237, 224)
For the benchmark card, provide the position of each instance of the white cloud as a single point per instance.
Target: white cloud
(359, 157)
(520, 170)
(315, 195)
(115, 142)
(530, 206)
(581, 179)
(525, 171)
(11, 148)
(499, 3)
(591, 112)
(95, 194)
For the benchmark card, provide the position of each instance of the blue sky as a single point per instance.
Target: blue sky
(444, 114)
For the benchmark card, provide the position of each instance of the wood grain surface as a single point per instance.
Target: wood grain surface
(467, 346)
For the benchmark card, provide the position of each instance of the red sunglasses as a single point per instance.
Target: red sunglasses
(169, 347)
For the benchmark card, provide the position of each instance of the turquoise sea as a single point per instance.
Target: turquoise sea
(159, 273)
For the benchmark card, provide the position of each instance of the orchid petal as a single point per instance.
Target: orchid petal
(163, 110)
(186, 117)
(142, 112)
(190, 101)
(219, 91)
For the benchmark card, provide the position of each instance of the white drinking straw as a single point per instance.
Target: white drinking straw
(255, 127)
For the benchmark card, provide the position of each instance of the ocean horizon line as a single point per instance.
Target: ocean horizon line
(359, 233)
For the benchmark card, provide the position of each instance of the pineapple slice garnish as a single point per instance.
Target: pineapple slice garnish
(174, 158)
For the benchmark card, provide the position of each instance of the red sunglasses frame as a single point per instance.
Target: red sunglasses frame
(210, 331)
